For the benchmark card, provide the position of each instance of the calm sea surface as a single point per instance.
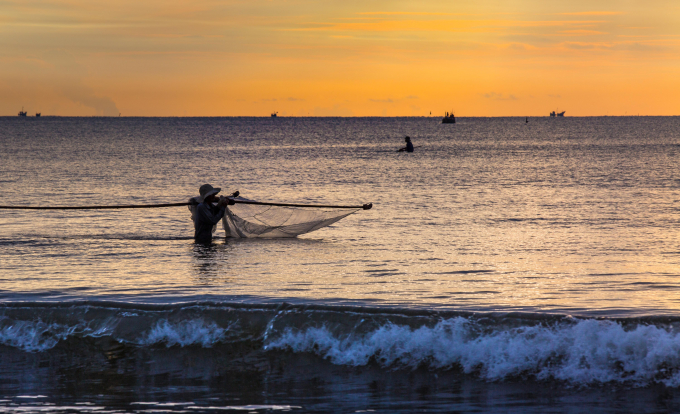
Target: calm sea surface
(505, 266)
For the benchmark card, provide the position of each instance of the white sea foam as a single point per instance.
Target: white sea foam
(34, 336)
(38, 336)
(585, 352)
(248, 407)
(577, 351)
(184, 333)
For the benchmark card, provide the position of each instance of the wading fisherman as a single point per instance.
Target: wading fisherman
(408, 147)
(205, 214)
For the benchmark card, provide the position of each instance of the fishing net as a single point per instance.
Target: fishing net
(254, 220)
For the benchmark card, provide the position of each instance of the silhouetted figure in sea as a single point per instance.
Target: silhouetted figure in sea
(408, 147)
(206, 214)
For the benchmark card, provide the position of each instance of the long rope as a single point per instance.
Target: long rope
(364, 207)
(91, 207)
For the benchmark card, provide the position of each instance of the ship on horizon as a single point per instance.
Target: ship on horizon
(554, 113)
(449, 118)
(22, 112)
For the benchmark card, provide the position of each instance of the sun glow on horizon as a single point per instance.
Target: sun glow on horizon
(305, 58)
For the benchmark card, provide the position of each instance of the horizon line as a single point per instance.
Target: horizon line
(327, 116)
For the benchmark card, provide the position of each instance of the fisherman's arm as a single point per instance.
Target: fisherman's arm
(208, 217)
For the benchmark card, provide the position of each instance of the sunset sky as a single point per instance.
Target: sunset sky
(339, 58)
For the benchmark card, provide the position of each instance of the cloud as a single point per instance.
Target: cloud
(593, 13)
(336, 110)
(581, 32)
(517, 46)
(639, 47)
(412, 14)
(615, 46)
(391, 100)
(500, 96)
(411, 26)
(584, 45)
(289, 99)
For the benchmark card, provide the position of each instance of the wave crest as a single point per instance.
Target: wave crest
(494, 347)
(34, 336)
(184, 333)
(583, 352)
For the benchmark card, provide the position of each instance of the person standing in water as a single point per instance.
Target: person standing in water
(408, 147)
(205, 214)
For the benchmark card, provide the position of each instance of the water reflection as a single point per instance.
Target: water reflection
(210, 260)
(578, 216)
(232, 378)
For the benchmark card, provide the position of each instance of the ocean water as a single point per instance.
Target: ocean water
(505, 266)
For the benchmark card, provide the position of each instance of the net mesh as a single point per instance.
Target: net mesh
(252, 220)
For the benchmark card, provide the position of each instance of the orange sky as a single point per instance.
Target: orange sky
(339, 58)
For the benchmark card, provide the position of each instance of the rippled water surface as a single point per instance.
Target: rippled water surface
(574, 215)
(119, 310)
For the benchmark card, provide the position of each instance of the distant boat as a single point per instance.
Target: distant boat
(22, 112)
(274, 114)
(553, 113)
(449, 118)
(37, 114)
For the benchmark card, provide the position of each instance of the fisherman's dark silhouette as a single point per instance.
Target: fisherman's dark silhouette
(408, 147)
(205, 214)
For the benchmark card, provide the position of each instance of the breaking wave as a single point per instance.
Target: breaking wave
(492, 347)
(585, 352)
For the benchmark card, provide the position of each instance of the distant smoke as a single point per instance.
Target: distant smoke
(77, 92)
(70, 77)
(53, 83)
